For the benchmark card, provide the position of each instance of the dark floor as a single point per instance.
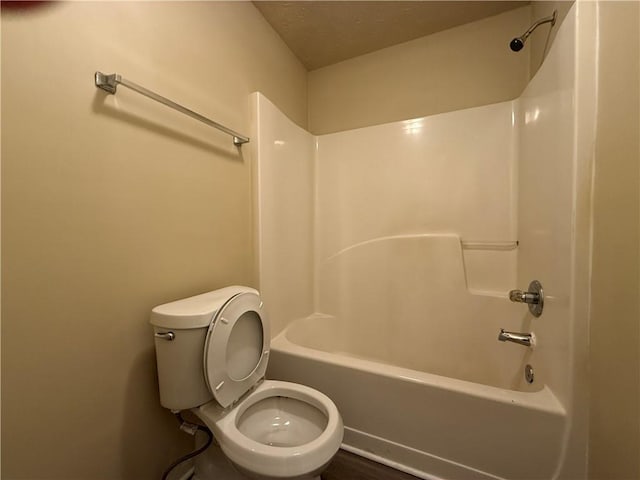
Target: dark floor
(347, 466)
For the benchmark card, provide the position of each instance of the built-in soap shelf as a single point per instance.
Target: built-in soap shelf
(498, 246)
(420, 260)
(489, 293)
(489, 266)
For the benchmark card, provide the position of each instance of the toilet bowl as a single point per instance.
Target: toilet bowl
(212, 352)
(281, 430)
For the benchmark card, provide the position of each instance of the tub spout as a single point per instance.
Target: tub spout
(526, 339)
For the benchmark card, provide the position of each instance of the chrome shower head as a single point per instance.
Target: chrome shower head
(517, 43)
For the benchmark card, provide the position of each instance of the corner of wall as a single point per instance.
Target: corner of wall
(614, 437)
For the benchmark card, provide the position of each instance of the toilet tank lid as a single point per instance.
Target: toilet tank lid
(194, 312)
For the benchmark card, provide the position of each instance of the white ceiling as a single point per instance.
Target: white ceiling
(321, 33)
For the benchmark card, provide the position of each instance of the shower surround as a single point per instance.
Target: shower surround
(385, 255)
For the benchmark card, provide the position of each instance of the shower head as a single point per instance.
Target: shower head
(517, 43)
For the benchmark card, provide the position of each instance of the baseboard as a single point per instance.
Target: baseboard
(409, 460)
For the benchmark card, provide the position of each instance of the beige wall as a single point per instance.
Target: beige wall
(614, 440)
(462, 67)
(114, 204)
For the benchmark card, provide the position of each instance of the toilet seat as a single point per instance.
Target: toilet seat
(236, 349)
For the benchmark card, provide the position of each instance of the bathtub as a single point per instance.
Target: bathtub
(431, 426)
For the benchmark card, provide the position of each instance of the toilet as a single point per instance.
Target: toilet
(212, 352)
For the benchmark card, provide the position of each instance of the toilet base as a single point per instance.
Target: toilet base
(212, 464)
(315, 475)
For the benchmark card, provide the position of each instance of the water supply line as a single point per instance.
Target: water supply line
(191, 429)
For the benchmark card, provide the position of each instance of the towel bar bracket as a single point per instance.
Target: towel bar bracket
(108, 83)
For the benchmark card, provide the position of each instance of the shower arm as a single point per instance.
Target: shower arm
(517, 43)
(551, 18)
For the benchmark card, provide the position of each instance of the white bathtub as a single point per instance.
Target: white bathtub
(428, 425)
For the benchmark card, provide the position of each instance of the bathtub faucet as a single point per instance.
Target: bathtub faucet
(526, 339)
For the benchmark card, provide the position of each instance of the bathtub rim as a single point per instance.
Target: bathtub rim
(542, 400)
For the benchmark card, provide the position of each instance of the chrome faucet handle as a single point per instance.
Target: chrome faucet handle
(534, 297)
(524, 297)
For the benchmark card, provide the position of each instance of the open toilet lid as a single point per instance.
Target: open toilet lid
(236, 350)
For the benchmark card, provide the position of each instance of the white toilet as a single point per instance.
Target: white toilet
(212, 352)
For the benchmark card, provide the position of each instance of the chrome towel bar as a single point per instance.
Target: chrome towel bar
(109, 83)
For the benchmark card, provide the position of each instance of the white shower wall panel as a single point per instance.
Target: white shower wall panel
(547, 123)
(283, 181)
(403, 301)
(452, 173)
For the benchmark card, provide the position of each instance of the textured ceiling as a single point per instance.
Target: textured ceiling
(321, 33)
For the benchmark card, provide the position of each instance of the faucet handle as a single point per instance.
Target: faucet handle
(524, 297)
(534, 297)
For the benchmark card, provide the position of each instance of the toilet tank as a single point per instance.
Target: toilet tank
(180, 361)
